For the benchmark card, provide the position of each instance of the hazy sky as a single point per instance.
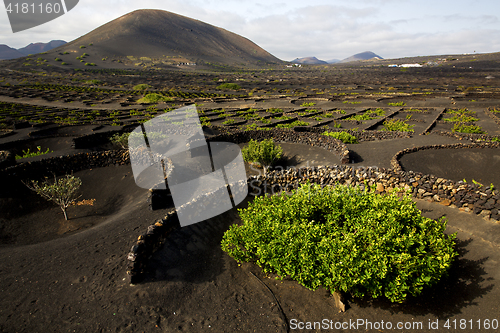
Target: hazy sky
(325, 29)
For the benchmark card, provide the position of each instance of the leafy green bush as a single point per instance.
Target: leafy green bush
(274, 110)
(397, 104)
(230, 86)
(377, 112)
(344, 239)
(283, 117)
(306, 105)
(154, 98)
(28, 153)
(368, 115)
(342, 136)
(461, 118)
(397, 125)
(266, 153)
(250, 116)
(142, 86)
(463, 128)
(120, 140)
(293, 124)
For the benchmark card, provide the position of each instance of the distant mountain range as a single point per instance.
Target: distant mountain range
(368, 55)
(7, 52)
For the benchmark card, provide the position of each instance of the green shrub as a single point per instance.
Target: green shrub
(250, 116)
(293, 124)
(463, 128)
(306, 105)
(122, 139)
(377, 112)
(230, 86)
(154, 98)
(64, 63)
(82, 46)
(368, 115)
(229, 122)
(397, 125)
(274, 110)
(142, 86)
(266, 153)
(344, 239)
(58, 59)
(94, 81)
(461, 118)
(397, 104)
(28, 153)
(343, 136)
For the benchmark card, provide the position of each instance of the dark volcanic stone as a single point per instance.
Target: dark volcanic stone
(7, 159)
(490, 204)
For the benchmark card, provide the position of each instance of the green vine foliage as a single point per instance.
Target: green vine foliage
(397, 125)
(345, 239)
(342, 136)
(265, 152)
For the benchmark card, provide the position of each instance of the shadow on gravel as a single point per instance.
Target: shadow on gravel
(355, 157)
(193, 253)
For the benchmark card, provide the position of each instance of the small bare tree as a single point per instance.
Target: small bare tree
(62, 191)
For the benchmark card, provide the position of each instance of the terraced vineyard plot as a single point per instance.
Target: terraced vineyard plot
(11, 113)
(367, 115)
(419, 120)
(89, 95)
(459, 121)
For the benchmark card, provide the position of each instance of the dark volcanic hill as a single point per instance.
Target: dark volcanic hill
(7, 52)
(161, 34)
(34, 48)
(309, 61)
(368, 55)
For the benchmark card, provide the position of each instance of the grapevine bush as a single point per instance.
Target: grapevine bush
(342, 136)
(265, 152)
(344, 239)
